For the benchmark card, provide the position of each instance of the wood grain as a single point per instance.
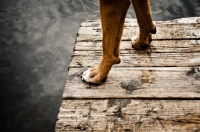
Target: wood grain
(143, 60)
(162, 46)
(175, 32)
(146, 82)
(128, 115)
(156, 90)
(179, 29)
(133, 22)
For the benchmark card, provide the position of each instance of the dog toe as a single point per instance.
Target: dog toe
(86, 76)
(134, 38)
(86, 72)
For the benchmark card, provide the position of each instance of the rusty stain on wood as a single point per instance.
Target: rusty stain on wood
(157, 90)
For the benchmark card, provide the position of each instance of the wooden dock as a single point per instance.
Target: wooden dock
(157, 90)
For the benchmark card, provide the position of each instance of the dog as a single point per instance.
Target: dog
(113, 13)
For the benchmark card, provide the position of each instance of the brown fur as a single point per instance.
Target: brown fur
(113, 13)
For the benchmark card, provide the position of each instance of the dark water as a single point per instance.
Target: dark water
(36, 42)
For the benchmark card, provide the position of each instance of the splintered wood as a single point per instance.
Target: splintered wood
(156, 90)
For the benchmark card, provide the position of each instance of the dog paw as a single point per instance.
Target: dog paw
(94, 76)
(86, 76)
(99, 74)
(142, 42)
(133, 39)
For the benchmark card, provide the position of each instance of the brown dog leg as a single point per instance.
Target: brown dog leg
(143, 14)
(113, 13)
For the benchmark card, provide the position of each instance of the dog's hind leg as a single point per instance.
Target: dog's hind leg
(113, 13)
(143, 14)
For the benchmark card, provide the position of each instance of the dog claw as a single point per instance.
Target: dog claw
(153, 31)
(119, 61)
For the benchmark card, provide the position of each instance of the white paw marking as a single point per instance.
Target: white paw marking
(85, 72)
(86, 76)
(133, 39)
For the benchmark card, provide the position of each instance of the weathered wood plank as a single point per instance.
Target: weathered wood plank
(174, 46)
(165, 32)
(126, 115)
(161, 53)
(133, 22)
(147, 82)
(156, 90)
(90, 59)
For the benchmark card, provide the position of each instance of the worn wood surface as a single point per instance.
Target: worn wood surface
(168, 46)
(179, 29)
(157, 90)
(126, 115)
(143, 60)
(133, 22)
(175, 32)
(146, 82)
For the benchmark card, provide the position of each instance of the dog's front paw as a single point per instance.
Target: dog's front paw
(93, 76)
(86, 76)
(99, 74)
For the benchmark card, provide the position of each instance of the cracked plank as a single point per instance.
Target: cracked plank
(144, 82)
(144, 60)
(122, 115)
(175, 32)
(133, 22)
(162, 46)
(154, 90)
